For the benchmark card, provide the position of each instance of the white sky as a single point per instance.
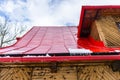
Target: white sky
(47, 12)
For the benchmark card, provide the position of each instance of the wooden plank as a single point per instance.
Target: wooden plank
(106, 30)
(100, 72)
(94, 32)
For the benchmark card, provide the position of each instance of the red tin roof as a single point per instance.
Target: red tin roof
(46, 44)
(42, 40)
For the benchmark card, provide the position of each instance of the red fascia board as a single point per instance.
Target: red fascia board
(60, 58)
(11, 59)
(72, 58)
(81, 21)
(101, 7)
(88, 8)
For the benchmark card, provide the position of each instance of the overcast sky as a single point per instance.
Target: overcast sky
(47, 12)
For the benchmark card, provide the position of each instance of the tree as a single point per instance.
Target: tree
(9, 32)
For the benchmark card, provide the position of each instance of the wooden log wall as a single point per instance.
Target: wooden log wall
(102, 72)
(107, 30)
(15, 73)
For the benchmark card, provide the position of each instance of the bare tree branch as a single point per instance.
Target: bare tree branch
(6, 35)
(8, 41)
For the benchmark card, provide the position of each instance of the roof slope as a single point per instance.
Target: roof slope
(43, 40)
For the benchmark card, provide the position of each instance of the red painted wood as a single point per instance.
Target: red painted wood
(60, 58)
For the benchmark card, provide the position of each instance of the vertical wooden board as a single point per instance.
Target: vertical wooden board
(94, 32)
(100, 32)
